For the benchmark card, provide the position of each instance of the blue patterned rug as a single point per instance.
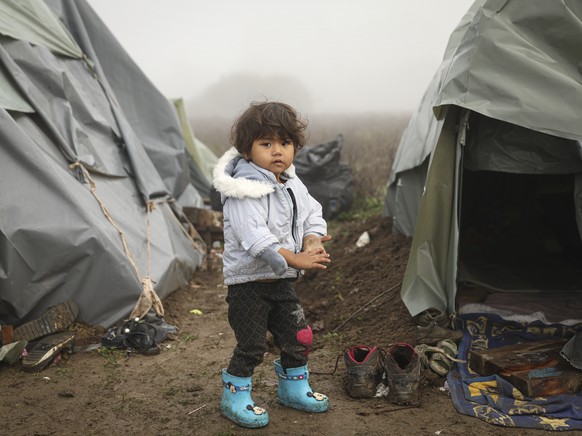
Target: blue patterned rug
(494, 399)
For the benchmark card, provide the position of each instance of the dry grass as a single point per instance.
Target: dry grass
(369, 149)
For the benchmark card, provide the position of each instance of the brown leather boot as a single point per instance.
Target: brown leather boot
(403, 374)
(364, 370)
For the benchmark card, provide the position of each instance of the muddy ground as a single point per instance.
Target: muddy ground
(177, 392)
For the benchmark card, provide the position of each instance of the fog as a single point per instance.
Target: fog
(338, 56)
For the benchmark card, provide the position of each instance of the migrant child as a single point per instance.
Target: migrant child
(273, 229)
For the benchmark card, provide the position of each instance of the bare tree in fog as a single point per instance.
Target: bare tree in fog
(232, 93)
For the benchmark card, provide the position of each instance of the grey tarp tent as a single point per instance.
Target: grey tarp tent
(87, 142)
(488, 174)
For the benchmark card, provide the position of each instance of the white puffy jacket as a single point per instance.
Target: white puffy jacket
(260, 217)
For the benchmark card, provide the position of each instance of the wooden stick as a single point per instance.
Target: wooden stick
(353, 315)
(196, 410)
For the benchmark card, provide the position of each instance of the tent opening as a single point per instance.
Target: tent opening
(518, 233)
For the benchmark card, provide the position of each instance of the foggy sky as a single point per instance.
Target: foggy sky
(330, 55)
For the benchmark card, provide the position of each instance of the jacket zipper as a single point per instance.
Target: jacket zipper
(294, 220)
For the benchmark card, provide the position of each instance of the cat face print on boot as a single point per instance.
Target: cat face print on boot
(237, 405)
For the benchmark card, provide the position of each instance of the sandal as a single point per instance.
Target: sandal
(439, 358)
(142, 340)
(42, 354)
(134, 336)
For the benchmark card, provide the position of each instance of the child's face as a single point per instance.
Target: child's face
(273, 154)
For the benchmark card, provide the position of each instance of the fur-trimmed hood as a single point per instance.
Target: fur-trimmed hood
(234, 176)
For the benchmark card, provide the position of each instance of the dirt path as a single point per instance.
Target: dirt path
(177, 392)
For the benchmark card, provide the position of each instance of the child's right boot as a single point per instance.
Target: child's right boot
(237, 404)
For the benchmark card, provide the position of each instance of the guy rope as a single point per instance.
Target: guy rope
(148, 297)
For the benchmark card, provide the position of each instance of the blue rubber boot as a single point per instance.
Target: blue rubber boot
(237, 404)
(295, 392)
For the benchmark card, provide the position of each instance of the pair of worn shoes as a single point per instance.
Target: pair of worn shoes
(436, 342)
(46, 337)
(367, 366)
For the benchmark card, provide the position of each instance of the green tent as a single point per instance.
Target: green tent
(201, 159)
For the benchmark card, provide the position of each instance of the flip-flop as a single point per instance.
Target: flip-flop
(43, 352)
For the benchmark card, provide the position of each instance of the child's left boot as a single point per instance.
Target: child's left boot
(295, 392)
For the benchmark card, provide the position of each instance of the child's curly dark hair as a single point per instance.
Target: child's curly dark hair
(268, 120)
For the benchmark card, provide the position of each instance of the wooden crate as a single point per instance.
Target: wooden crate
(561, 378)
(522, 356)
(535, 368)
(209, 225)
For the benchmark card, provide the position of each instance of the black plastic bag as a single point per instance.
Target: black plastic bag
(329, 180)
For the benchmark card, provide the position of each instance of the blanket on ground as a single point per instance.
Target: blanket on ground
(493, 398)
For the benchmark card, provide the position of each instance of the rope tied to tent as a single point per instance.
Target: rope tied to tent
(148, 298)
